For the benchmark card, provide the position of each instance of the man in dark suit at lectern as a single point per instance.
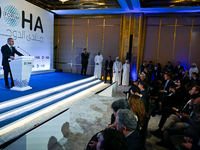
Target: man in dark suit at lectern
(108, 68)
(85, 56)
(8, 51)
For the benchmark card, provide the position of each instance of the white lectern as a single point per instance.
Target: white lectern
(21, 70)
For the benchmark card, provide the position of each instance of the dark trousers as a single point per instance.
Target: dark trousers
(84, 68)
(110, 73)
(6, 71)
(165, 112)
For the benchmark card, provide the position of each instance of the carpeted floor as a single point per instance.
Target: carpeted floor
(40, 82)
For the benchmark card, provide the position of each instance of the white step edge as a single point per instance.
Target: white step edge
(39, 113)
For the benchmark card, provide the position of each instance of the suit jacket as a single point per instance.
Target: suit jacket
(169, 68)
(134, 141)
(177, 70)
(6, 53)
(85, 58)
(110, 65)
(145, 99)
(142, 68)
(170, 84)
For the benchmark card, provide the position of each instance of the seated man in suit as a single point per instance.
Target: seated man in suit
(165, 91)
(178, 70)
(8, 52)
(126, 123)
(142, 86)
(194, 81)
(167, 111)
(192, 131)
(179, 120)
(169, 67)
(144, 65)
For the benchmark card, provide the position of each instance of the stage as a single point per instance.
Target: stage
(49, 92)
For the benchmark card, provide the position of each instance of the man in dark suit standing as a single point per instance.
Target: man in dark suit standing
(8, 51)
(85, 56)
(178, 70)
(108, 68)
(144, 65)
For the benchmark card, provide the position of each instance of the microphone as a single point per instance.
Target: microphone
(23, 50)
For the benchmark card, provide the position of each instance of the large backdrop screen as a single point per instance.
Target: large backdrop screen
(32, 30)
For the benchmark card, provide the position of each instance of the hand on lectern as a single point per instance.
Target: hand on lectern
(12, 57)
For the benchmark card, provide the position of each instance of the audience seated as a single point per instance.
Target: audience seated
(146, 72)
(164, 92)
(177, 96)
(167, 111)
(186, 77)
(118, 104)
(192, 131)
(178, 70)
(126, 123)
(193, 81)
(144, 65)
(144, 94)
(193, 69)
(169, 67)
(111, 139)
(150, 67)
(137, 107)
(178, 101)
(143, 78)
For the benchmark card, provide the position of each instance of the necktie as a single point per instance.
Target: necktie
(166, 84)
(11, 49)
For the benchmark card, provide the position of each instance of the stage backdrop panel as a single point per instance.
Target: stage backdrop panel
(95, 34)
(32, 30)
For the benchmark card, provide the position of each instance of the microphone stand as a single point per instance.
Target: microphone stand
(23, 50)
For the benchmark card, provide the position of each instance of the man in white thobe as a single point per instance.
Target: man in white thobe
(126, 71)
(98, 59)
(117, 68)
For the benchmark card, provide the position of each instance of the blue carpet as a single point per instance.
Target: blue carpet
(20, 115)
(40, 82)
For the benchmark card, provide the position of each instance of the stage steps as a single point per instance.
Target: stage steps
(13, 110)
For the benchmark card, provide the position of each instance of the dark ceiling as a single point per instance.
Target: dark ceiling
(76, 7)
(75, 4)
(168, 3)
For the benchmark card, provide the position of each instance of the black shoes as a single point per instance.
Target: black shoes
(163, 143)
(158, 133)
(7, 87)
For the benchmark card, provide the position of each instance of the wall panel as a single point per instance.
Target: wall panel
(96, 21)
(96, 33)
(195, 47)
(65, 44)
(79, 43)
(94, 41)
(113, 21)
(151, 43)
(166, 45)
(182, 45)
(111, 41)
